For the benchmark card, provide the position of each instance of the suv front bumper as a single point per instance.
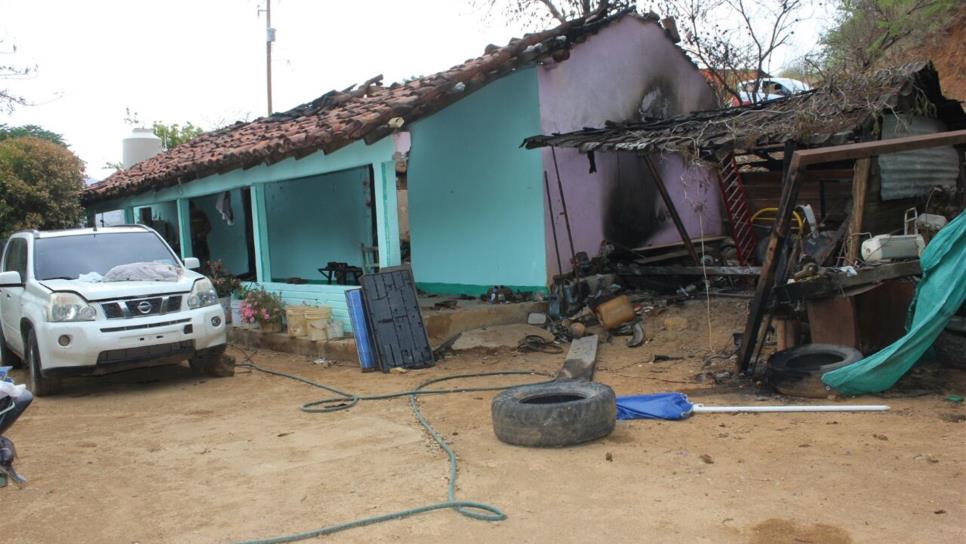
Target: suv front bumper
(107, 345)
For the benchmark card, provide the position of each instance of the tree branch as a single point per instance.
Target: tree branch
(554, 12)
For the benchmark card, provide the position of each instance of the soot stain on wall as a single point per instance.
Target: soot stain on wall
(632, 214)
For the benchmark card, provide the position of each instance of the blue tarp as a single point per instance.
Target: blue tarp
(671, 406)
(938, 296)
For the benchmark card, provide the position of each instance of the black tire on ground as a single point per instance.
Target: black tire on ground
(213, 362)
(39, 385)
(8, 357)
(553, 415)
(798, 371)
(951, 349)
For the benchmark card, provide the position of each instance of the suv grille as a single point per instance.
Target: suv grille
(130, 355)
(142, 307)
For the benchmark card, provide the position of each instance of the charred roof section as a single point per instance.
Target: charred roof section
(838, 112)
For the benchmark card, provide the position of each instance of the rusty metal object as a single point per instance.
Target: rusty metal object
(615, 312)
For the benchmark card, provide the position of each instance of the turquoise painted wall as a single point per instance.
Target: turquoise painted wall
(315, 220)
(475, 197)
(227, 242)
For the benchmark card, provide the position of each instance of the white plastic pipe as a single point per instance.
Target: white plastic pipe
(702, 409)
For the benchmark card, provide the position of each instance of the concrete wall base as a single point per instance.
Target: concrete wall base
(442, 325)
(341, 349)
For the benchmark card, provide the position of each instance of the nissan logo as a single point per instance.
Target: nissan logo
(144, 307)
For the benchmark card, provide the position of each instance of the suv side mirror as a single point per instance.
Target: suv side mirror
(11, 279)
(192, 263)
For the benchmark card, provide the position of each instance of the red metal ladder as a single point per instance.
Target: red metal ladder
(739, 212)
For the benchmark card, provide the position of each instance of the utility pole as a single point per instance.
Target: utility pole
(269, 38)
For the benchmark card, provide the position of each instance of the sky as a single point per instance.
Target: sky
(203, 61)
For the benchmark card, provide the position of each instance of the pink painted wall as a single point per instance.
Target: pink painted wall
(607, 78)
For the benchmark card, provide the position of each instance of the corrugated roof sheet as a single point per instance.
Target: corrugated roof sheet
(339, 118)
(832, 114)
(914, 173)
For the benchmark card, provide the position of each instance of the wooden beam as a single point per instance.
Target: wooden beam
(776, 242)
(661, 188)
(657, 247)
(695, 270)
(878, 147)
(860, 186)
(827, 286)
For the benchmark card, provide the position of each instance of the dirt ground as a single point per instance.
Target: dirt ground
(163, 456)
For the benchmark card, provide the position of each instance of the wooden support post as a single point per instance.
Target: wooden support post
(263, 261)
(666, 197)
(860, 185)
(563, 204)
(184, 227)
(776, 243)
(387, 213)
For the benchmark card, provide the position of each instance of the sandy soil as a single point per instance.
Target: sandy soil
(163, 456)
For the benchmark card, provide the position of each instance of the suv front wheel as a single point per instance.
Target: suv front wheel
(213, 362)
(7, 356)
(39, 385)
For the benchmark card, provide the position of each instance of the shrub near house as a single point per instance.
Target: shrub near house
(40, 185)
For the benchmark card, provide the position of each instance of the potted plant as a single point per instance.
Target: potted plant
(237, 298)
(224, 282)
(262, 308)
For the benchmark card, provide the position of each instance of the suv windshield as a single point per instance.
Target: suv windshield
(67, 257)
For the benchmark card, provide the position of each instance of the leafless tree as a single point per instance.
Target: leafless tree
(8, 99)
(734, 40)
(539, 13)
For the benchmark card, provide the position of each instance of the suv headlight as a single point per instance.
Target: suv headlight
(202, 294)
(69, 307)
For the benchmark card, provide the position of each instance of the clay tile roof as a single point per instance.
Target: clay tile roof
(339, 118)
(835, 113)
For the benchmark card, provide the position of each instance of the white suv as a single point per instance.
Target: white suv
(95, 301)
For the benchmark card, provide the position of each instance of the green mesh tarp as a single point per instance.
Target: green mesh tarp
(938, 296)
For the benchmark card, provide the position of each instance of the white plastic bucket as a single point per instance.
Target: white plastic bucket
(225, 303)
(317, 323)
(336, 330)
(235, 313)
(295, 317)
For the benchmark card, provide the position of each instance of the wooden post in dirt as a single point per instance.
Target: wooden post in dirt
(792, 183)
(666, 197)
(860, 186)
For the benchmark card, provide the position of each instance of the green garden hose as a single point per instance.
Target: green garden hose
(344, 401)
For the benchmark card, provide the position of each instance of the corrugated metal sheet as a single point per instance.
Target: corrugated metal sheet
(913, 173)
